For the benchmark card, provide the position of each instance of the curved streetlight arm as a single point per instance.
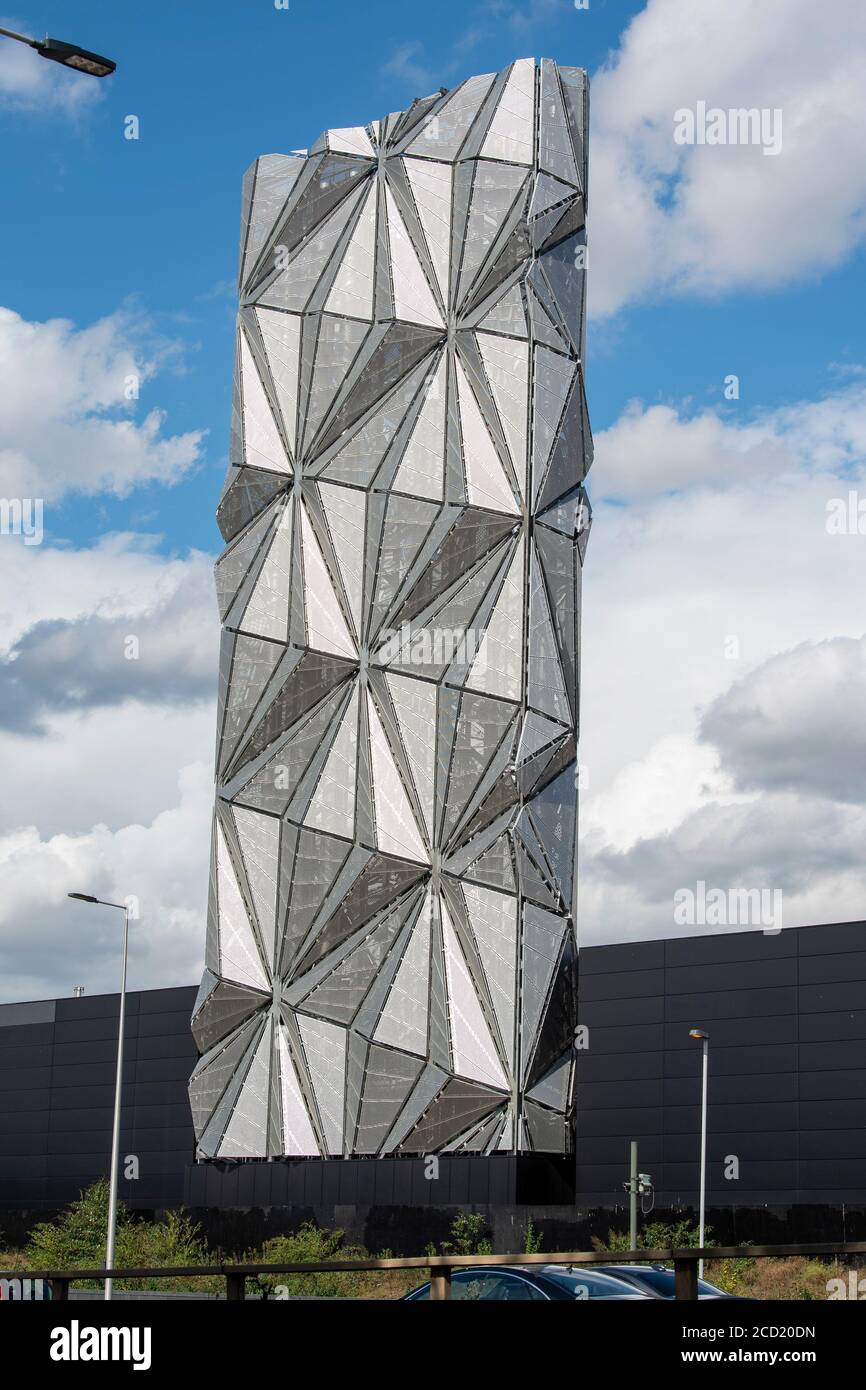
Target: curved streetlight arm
(102, 902)
(22, 38)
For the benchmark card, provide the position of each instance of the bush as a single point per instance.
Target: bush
(533, 1241)
(175, 1240)
(76, 1240)
(469, 1235)
(310, 1245)
(657, 1235)
(733, 1275)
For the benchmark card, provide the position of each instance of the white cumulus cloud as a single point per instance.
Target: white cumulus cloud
(722, 662)
(669, 218)
(69, 417)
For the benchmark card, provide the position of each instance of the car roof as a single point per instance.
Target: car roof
(559, 1275)
(643, 1270)
(581, 1271)
(545, 1275)
(575, 1272)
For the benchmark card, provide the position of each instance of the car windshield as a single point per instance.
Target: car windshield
(489, 1286)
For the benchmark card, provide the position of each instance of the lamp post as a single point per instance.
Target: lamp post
(704, 1038)
(118, 1086)
(71, 55)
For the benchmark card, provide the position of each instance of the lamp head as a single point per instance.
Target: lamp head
(71, 55)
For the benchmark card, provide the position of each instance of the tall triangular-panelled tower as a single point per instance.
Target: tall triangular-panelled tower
(391, 951)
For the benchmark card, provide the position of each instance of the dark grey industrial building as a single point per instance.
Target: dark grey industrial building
(786, 1016)
(57, 1076)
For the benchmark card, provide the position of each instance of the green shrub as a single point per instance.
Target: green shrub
(656, 1235)
(76, 1240)
(469, 1235)
(175, 1240)
(532, 1242)
(730, 1275)
(309, 1245)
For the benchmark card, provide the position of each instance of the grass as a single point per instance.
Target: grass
(797, 1277)
(793, 1278)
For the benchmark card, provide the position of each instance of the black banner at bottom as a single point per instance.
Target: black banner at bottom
(357, 1337)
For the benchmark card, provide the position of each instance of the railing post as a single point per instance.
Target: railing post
(685, 1278)
(236, 1287)
(59, 1290)
(440, 1281)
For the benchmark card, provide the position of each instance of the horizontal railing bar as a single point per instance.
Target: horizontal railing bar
(761, 1252)
(575, 1257)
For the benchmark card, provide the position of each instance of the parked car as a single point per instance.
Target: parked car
(540, 1284)
(658, 1281)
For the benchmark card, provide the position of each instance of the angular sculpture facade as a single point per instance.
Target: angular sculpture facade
(391, 953)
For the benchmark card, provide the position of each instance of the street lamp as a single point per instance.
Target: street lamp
(704, 1038)
(71, 55)
(115, 1133)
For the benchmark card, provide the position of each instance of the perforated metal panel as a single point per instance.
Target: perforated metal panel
(391, 943)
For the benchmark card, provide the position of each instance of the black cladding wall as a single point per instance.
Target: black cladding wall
(786, 1017)
(57, 1070)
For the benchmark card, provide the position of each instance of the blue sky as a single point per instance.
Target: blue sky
(710, 513)
(153, 222)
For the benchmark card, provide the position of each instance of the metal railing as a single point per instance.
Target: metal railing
(684, 1261)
